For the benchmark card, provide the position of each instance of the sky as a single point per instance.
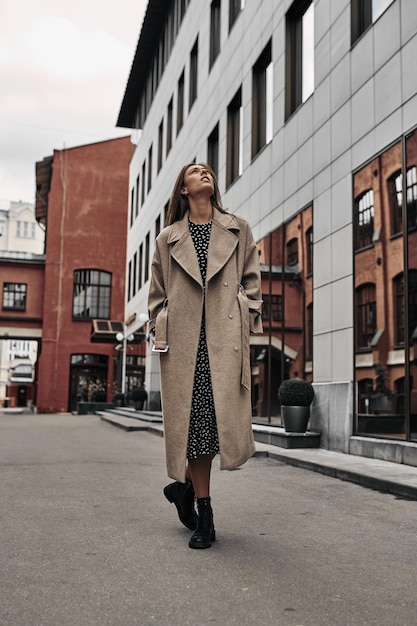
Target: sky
(64, 65)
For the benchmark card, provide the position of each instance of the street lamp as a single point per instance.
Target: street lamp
(123, 338)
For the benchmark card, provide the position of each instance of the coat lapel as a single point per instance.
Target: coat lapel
(183, 251)
(223, 242)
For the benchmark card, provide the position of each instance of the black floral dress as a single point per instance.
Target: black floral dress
(202, 434)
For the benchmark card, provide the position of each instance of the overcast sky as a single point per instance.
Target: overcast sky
(64, 66)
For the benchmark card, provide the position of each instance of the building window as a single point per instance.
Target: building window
(92, 291)
(14, 296)
(292, 252)
(137, 192)
(215, 25)
(132, 205)
(140, 267)
(365, 307)
(160, 145)
(180, 103)
(364, 13)
(299, 53)
(22, 230)
(213, 149)
(400, 304)
(143, 194)
(150, 168)
(157, 226)
(272, 308)
(395, 188)
(309, 250)
(147, 257)
(365, 390)
(309, 333)
(399, 296)
(134, 278)
(193, 75)
(399, 386)
(234, 139)
(411, 196)
(129, 281)
(262, 101)
(364, 219)
(235, 7)
(169, 126)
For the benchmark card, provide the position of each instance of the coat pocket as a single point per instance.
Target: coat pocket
(254, 310)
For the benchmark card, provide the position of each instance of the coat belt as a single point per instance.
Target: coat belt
(245, 330)
(161, 330)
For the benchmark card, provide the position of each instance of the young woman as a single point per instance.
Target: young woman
(204, 300)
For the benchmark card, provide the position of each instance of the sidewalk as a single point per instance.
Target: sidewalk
(395, 478)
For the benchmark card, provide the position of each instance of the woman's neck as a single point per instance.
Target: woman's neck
(200, 212)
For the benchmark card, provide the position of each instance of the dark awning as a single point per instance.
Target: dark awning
(105, 331)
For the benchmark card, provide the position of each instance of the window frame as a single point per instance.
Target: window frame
(366, 316)
(261, 105)
(234, 138)
(363, 232)
(294, 39)
(193, 82)
(99, 310)
(19, 296)
(215, 31)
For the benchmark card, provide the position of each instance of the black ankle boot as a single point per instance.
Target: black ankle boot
(204, 533)
(182, 495)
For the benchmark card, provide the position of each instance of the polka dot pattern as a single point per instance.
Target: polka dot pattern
(202, 434)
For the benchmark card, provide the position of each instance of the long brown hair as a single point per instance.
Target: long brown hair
(178, 202)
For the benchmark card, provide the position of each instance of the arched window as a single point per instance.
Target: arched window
(292, 252)
(395, 187)
(399, 306)
(92, 294)
(364, 219)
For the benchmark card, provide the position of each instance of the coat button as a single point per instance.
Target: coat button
(226, 284)
(230, 316)
(236, 349)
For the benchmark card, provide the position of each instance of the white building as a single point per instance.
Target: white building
(307, 111)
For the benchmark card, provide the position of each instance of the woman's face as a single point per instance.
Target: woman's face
(198, 181)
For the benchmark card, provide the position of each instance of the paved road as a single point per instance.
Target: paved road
(88, 539)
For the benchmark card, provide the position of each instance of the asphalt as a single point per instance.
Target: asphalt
(395, 478)
(88, 539)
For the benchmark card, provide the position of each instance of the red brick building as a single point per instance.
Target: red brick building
(82, 199)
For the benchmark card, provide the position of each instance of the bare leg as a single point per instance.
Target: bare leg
(199, 470)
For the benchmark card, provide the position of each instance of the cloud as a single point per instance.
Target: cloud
(58, 46)
(63, 71)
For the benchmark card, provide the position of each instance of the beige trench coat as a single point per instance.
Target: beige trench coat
(233, 310)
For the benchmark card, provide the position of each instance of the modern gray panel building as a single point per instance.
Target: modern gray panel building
(307, 111)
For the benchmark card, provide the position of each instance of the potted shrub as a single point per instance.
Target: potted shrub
(139, 396)
(119, 398)
(295, 396)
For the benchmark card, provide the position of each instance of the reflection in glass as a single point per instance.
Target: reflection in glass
(381, 325)
(411, 326)
(286, 347)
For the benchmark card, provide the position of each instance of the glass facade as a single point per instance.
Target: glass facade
(385, 269)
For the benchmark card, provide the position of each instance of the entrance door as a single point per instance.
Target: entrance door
(88, 379)
(22, 395)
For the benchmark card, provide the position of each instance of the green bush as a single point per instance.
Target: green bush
(296, 392)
